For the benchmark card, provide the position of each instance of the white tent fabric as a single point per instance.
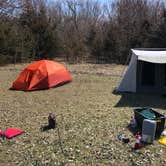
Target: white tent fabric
(128, 82)
(151, 56)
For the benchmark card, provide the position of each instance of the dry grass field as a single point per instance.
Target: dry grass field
(89, 117)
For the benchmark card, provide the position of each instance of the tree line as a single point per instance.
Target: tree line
(79, 30)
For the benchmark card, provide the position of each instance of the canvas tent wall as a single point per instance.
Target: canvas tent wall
(146, 71)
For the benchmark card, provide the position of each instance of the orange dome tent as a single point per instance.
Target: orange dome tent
(42, 74)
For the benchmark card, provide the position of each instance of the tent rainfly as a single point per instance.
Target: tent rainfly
(41, 74)
(146, 71)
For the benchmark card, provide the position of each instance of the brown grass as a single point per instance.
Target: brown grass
(89, 117)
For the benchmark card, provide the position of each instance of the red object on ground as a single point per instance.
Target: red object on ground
(138, 144)
(11, 132)
(42, 74)
(138, 137)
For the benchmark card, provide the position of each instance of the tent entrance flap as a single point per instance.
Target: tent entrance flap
(151, 77)
(148, 74)
(164, 75)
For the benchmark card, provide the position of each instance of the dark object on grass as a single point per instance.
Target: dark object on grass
(124, 139)
(133, 123)
(142, 113)
(51, 120)
(51, 123)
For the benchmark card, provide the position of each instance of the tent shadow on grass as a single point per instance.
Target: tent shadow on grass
(141, 100)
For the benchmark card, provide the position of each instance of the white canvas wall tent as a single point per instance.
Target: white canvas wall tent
(146, 71)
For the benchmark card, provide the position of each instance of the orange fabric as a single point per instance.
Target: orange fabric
(42, 74)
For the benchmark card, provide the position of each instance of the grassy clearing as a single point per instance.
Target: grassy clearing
(89, 115)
